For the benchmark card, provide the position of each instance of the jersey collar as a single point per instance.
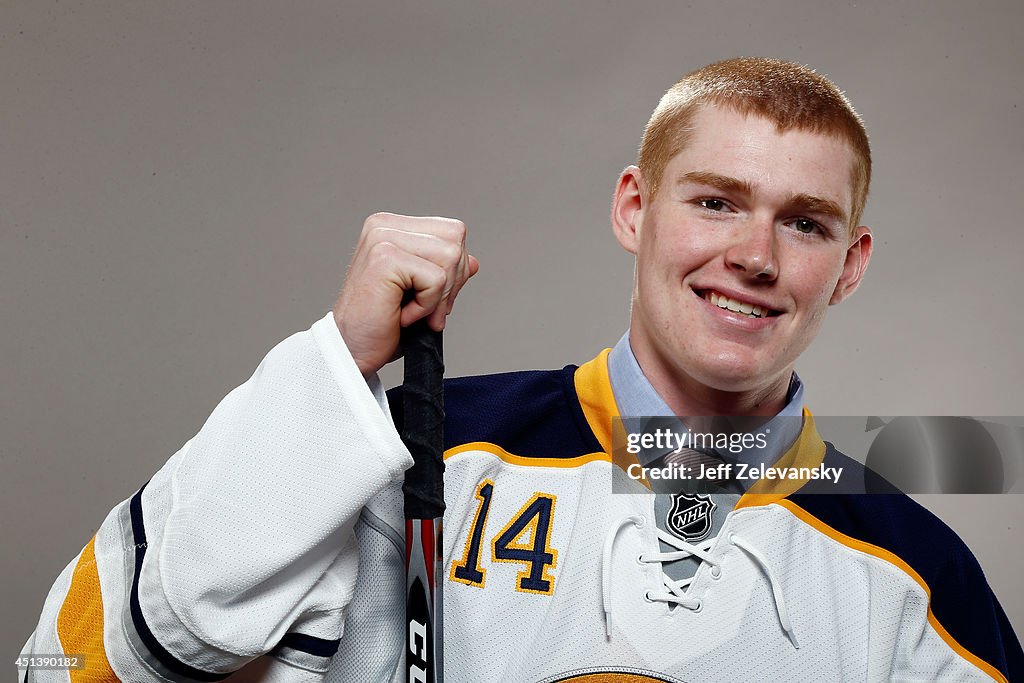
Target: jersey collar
(601, 405)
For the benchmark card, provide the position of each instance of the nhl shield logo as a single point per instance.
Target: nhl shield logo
(690, 515)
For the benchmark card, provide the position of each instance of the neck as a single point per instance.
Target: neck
(686, 395)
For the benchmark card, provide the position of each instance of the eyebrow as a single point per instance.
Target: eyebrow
(812, 204)
(802, 201)
(722, 182)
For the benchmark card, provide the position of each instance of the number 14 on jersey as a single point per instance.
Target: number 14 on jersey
(525, 539)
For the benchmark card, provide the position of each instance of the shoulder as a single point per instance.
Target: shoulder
(529, 413)
(896, 528)
(893, 522)
(871, 510)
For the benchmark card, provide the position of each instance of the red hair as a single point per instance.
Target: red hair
(790, 95)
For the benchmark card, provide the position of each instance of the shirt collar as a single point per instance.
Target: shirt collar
(635, 397)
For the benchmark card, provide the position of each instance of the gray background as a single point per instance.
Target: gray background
(181, 185)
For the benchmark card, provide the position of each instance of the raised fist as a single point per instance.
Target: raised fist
(398, 254)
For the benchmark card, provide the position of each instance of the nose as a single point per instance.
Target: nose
(753, 252)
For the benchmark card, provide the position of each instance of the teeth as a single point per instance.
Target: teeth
(750, 310)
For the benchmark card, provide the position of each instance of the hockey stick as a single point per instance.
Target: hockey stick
(422, 432)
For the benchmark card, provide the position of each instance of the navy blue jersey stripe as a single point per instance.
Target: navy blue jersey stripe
(318, 647)
(548, 419)
(145, 634)
(960, 597)
(856, 477)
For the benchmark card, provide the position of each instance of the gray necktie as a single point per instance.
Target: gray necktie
(717, 479)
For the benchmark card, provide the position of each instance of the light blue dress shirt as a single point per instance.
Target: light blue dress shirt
(635, 397)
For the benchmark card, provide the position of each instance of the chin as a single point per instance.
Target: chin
(734, 384)
(734, 375)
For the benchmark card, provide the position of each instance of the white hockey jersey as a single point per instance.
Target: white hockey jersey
(277, 530)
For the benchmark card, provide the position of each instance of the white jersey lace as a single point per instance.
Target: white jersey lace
(676, 592)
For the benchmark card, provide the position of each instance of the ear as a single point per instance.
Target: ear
(628, 208)
(858, 254)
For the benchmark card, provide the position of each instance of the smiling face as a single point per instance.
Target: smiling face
(738, 255)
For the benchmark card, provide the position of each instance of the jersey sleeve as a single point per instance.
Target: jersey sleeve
(244, 543)
(975, 640)
(952, 627)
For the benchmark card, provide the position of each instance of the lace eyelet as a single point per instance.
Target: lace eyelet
(647, 596)
(640, 522)
(640, 560)
(716, 572)
(698, 608)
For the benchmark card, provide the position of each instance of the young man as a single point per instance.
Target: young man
(277, 528)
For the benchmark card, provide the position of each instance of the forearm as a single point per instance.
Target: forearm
(246, 534)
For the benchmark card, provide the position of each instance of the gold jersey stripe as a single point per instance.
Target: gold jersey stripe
(594, 391)
(80, 621)
(494, 449)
